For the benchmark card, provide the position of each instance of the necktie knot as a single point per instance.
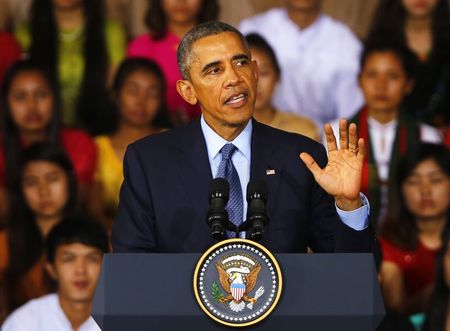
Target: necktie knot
(227, 151)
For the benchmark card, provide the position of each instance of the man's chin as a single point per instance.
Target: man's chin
(241, 123)
(82, 298)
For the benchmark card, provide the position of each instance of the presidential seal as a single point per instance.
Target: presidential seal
(237, 282)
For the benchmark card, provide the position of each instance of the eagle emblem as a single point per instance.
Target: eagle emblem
(237, 282)
(238, 275)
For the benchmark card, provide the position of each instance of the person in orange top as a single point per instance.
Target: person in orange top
(46, 193)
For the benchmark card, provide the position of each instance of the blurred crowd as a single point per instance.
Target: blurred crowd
(82, 79)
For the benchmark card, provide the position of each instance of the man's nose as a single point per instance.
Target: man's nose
(232, 77)
(80, 266)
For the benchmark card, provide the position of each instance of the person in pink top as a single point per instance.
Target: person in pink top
(168, 21)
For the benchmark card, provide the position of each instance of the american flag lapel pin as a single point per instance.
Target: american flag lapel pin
(270, 172)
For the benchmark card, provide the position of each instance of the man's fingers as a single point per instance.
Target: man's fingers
(361, 150)
(352, 137)
(311, 164)
(343, 134)
(331, 139)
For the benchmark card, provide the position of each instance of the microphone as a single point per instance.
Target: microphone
(256, 213)
(217, 217)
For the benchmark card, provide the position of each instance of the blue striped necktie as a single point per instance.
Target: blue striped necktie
(228, 171)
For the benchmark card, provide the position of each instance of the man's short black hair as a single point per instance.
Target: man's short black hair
(211, 28)
(76, 230)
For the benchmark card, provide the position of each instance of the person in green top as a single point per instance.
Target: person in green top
(72, 38)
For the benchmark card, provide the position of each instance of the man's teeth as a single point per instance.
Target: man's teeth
(236, 99)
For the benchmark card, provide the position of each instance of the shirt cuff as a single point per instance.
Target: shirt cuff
(357, 219)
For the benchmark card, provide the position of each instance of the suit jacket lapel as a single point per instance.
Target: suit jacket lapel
(191, 160)
(264, 163)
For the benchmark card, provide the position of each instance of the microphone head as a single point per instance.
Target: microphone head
(219, 188)
(257, 189)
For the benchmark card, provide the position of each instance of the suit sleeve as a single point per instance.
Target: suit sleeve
(327, 231)
(133, 227)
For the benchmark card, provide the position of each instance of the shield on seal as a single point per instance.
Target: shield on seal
(237, 291)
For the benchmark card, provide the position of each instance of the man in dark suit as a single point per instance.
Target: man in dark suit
(164, 197)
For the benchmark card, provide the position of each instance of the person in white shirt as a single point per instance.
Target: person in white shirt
(385, 79)
(75, 249)
(319, 59)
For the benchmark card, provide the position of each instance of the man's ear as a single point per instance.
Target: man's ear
(51, 270)
(187, 91)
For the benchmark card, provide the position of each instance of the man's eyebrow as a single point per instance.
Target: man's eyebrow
(215, 63)
(210, 65)
(241, 57)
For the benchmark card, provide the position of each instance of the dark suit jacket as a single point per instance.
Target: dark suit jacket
(164, 197)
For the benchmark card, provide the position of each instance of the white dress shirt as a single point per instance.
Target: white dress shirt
(356, 219)
(44, 314)
(319, 65)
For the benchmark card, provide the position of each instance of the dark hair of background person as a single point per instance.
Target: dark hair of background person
(436, 315)
(76, 229)
(156, 19)
(25, 241)
(383, 45)
(400, 226)
(202, 30)
(127, 68)
(255, 40)
(11, 137)
(389, 21)
(93, 99)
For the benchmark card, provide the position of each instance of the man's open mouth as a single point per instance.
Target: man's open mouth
(236, 99)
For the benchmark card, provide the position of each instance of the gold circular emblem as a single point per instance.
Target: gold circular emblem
(237, 282)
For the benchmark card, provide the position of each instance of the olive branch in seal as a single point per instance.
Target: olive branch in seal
(216, 293)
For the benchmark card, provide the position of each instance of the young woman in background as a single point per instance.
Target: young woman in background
(168, 22)
(269, 76)
(139, 90)
(82, 50)
(423, 27)
(45, 193)
(386, 78)
(411, 235)
(30, 114)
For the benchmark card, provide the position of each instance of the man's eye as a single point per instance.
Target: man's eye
(67, 258)
(242, 62)
(213, 71)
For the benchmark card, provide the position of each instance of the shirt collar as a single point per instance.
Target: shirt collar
(214, 142)
(375, 125)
